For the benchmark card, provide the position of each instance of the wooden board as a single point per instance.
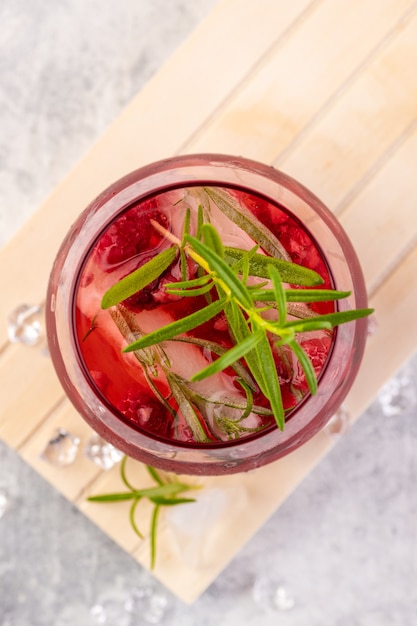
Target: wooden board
(324, 90)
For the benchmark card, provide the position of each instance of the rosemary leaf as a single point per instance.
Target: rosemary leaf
(178, 327)
(303, 326)
(161, 490)
(158, 394)
(241, 330)
(212, 239)
(271, 381)
(183, 264)
(154, 474)
(200, 220)
(335, 319)
(183, 256)
(279, 293)
(229, 357)
(189, 293)
(186, 226)
(113, 497)
(132, 518)
(123, 474)
(289, 272)
(306, 365)
(247, 222)
(315, 295)
(154, 525)
(170, 501)
(249, 401)
(217, 349)
(300, 295)
(187, 409)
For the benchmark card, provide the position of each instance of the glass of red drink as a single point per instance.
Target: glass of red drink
(141, 401)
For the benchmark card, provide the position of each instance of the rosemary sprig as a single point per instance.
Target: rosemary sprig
(166, 493)
(231, 281)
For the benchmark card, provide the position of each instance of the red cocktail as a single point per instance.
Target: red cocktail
(146, 401)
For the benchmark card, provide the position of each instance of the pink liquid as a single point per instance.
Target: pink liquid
(141, 394)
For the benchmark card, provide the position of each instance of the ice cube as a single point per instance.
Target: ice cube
(198, 529)
(24, 324)
(272, 595)
(110, 612)
(339, 424)
(149, 602)
(102, 453)
(61, 449)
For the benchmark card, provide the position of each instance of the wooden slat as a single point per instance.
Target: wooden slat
(382, 225)
(395, 339)
(303, 74)
(29, 390)
(226, 537)
(377, 110)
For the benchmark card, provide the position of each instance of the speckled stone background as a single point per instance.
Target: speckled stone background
(344, 545)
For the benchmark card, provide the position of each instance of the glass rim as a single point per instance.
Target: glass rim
(295, 199)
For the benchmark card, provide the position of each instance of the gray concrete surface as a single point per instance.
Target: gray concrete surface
(344, 545)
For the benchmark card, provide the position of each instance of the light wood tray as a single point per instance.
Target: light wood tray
(324, 90)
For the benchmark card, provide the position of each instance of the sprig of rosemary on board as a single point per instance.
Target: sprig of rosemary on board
(167, 491)
(226, 279)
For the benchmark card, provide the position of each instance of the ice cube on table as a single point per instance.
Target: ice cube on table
(110, 612)
(148, 603)
(338, 424)
(102, 453)
(271, 594)
(61, 449)
(198, 528)
(24, 324)
(145, 604)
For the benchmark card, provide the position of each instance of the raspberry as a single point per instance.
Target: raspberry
(131, 234)
(317, 351)
(144, 410)
(255, 204)
(267, 213)
(300, 247)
